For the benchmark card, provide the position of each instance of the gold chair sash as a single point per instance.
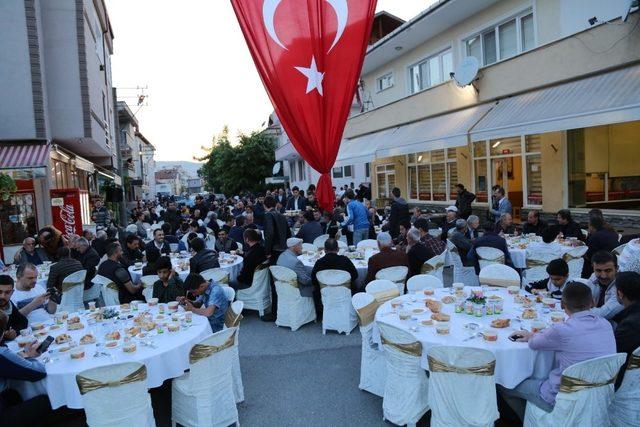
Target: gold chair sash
(412, 349)
(345, 284)
(87, 385)
(503, 283)
(113, 286)
(428, 268)
(262, 266)
(384, 296)
(634, 362)
(293, 283)
(202, 351)
(66, 286)
(536, 263)
(572, 385)
(438, 366)
(231, 319)
(367, 313)
(499, 260)
(568, 257)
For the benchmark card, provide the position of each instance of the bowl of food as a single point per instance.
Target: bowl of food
(111, 344)
(557, 316)
(458, 286)
(448, 299)
(529, 313)
(417, 310)
(172, 306)
(426, 322)
(490, 335)
(77, 352)
(442, 328)
(428, 291)
(513, 290)
(549, 302)
(404, 315)
(129, 347)
(88, 339)
(152, 302)
(37, 326)
(25, 341)
(537, 326)
(500, 323)
(440, 317)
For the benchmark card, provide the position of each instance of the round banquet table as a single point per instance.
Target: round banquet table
(309, 260)
(515, 362)
(234, 265)
(169, 357)
(519, 255)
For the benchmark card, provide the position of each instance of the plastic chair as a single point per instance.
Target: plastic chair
(258, 295)
(73, 292)
(308, 247)
(319, 241)
(218, 275)
(110, 294)
(588, 406)
(204, 395)
(458, 397)
(397, 275)
(625, 408)
(420, 282)
(335, 291)
(147, 283)
(575, 260)
(537, 263)
(618, 250)
(230, 293)
(434, 266)
(488, 256)
(104, 406)
(382, 290)
(367, 244)
(461, 274)
(372, 364)
(232, 320)
(294, 310)
(499, 275)
(406, 390)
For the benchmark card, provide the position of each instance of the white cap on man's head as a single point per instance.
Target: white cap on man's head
(293, 241)
(452, 209)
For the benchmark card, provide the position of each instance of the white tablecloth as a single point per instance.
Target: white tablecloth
(169, 360)
(234, 268)
(519, 256)
(514, 361)
(361, 264)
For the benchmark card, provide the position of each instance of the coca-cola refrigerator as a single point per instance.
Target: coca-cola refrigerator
(70, 210)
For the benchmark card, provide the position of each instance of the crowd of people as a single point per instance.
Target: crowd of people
(271, 228)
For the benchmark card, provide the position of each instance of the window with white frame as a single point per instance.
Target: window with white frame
(504, 40)
(384, 82)
(337, 172)
(431, 71)
(342, 171)
(302, 173)
(432, 175)
(386, 179)
(292, 170)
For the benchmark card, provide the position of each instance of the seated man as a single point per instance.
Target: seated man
(65, 266)
(434, 245)
(224, 243)
(16, 321)
(400, 242)
(204, 259)
(387, 257)
(118, 274)
(450, 222)
(332, 261)
(236, 231)
(149, 268)
(417, 253)
(628, 320)
(459, 237)
(22, 366)
(170, 238)
(473, 224)
(534, 224)
(311, 229)
(489, 239)
(169, 286)
(581, 337)
(603, 285)
(600, 238)
(29, 253)
(88, 257)
(131, 251)
(289, 259)
(505, 225)
(210, 300)
(32, 299)
(158, 242)
(254, 255)
(558, 271)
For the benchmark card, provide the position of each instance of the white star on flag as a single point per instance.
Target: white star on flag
(314, 78)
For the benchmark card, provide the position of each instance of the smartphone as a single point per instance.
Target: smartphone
(45, 344)
(515, 337)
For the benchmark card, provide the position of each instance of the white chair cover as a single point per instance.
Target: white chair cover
(373, 369)
(309, 247)
(406, 390)
(293, 309)
(618, 250)
(397, 275)
(238, 388)
(382, 290)
(218, 275)
(499, 275)
(435, 266)
(342, 245)
(575, 260)
(625, 408)
(204, 395)
(73, 292)
(462, 399)
(91, 294)
(258, 295)
(319, 241)
(109, 290)
(367, 244)
(338, 313)
(420, 282)
(488, 256)
(147, 283)
(537, 262)
(117, 406)
(230, 293)
(435, 232)
(239, 244)
(461, 274)
(587, 407)
(210, 241)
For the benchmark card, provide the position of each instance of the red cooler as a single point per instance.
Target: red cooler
(70, 210)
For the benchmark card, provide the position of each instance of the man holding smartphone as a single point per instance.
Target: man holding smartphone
(32, 299)
(210, 300)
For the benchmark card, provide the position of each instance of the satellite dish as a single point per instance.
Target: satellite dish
(467, 71)
(276, 168)
(627, 5)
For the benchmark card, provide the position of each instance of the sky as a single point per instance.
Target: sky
(194, 65)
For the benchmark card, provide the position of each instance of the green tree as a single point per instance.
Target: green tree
(234, 169)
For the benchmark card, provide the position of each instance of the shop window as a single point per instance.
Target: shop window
(18, 218)
(386, 180)
(432, 175)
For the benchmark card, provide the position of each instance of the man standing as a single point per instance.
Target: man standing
(16, 320)
(29, 253)
(463, 201)
(258, 211)
(254, 255)
(31, 299)
(387, 257)
(603, 285)
(114, 271)
(357, 216)
(534, 224)
(61, 269)
(158, 242)
(276, 231)
(211, 300)
(296, 202)
(503, 205)
(100, 214)
(289, 259)
(399, 212)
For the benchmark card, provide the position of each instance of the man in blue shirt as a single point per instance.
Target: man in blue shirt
(358, 217)
(211, 300)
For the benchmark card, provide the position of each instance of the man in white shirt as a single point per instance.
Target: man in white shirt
(32, 299)
(603, 285)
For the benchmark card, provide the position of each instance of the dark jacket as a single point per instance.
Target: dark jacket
(310, 231)
(172, 217)
(130, 256)
(166, 250)
(236, 233)
(492, 240)
(17, 321)
(119, 275)
(333, 261)
(571, 229)
(22, 257)
(302, 203)
(253, 257)
(462, 242)
(383, 259)
(101, 216)
(537, 229)
(446, 227)
(89, 260)
(417, 255)
(463, 203)
(258, 213)
(399, 212)
(60, 270)
(626, 333)
(204, 260)
(173, 290)
(276, 232)
(228, 245)
(99, 245)
(601, 240)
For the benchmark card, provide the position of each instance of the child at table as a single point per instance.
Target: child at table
(168, 287)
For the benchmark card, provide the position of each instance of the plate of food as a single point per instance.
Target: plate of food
(88, 339)
(448, 299)
(440, 317)
(111, 344)
(500, 323)
(75, 326)
(434, 306)
(112, 336)
(529, 313)
(62, 339)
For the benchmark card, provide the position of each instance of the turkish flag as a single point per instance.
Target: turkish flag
(309, 55)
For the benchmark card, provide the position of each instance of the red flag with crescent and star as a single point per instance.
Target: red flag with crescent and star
(309, 55)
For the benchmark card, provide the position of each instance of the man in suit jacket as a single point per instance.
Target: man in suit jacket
(289, 259)
(504, 205)
(417, 252)
(254, 255)
(628, 320)
(276, 231)
(296, 202)
(204, 259)
(311, 229)
(158, 242)
(399, 212)
(332, 261)
(489, 239)
(387, 257)
(460, 240)
(600, 239)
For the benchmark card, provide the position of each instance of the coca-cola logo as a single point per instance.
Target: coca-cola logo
(67, 215)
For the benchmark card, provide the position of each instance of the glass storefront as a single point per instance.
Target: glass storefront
(432, 175)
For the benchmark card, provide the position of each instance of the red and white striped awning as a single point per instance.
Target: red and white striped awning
(24, 155)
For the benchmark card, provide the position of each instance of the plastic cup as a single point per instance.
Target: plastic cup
(537, 326)
(77, 352)
(442, 328)
(152, 302)
(490, 335)
(557, 317)
(172, 306)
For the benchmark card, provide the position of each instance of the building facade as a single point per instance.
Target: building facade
(553, 115)
(58, 131)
